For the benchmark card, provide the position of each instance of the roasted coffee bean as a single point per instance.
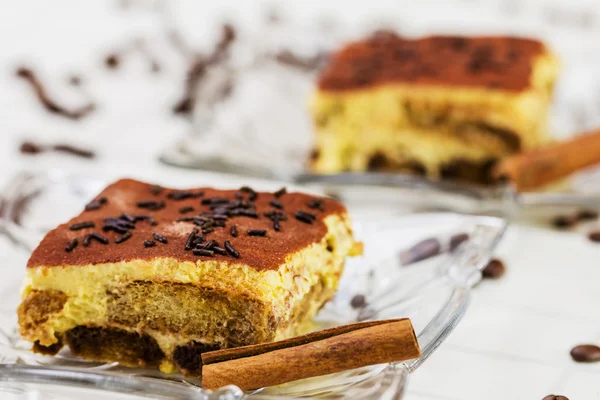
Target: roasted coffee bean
(358, 301)
(594, 236)
(587, 215)
(421, 251)
(494, 269)
(457, 240)
(564, 221)
(586, 353)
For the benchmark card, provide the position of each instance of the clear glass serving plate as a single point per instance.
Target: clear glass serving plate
(434, 293)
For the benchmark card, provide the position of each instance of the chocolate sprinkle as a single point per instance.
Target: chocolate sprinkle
(219, 250)
(156, 190)
(82, 225)
(96, 204)
(280, 192)
(203, 252)
(73, 150)
(191, 239)
(160, 238)
(233, 252)
(151, 205)
(316, 204)
(98, 237)
(257, 232)
(178, 196)
(49, 104)
(233, 231)
(305, 217)
(184, 210)
(276, 204)
(149, 243)
(71, 245)
(123, 238)
(86, 240)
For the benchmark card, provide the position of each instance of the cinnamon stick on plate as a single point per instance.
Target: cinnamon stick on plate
(318, 353)
(532, 169)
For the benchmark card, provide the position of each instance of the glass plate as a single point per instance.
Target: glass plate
(434, 293)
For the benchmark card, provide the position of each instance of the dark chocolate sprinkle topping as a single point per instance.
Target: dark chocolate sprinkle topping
(159, 238)
(71, 245)
(96, 204)
(123, 238)
(149, 243)
(184, 210)
(257, 232)
(305, 217)
(233, 252)
(99, 238)
(82, 225)
(86, 240)
(219, 250)
(280, 192)
(151, 205)
(203, 252)
(191, 238)
(156, 190)
(233, 231)
(276, 204)
(316, 204)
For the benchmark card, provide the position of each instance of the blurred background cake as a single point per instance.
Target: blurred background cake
(441, 106)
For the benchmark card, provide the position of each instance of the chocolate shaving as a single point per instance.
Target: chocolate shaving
(276, 204)
(185, 210)
(151, 205)
(149, 243)
(49, 104)
(233, 231)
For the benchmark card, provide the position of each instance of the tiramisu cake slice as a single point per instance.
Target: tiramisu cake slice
(442, 106)
(149, 276)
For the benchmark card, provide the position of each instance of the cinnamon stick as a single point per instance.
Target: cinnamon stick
(532, 169)
(318, 353)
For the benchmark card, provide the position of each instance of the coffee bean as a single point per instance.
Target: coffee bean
(494, 269)
(587, 215)
(564, 221)
(457, 240)
(421, 251)
(594, 236)
(555, 397)
(358, 301)
(586, 353)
